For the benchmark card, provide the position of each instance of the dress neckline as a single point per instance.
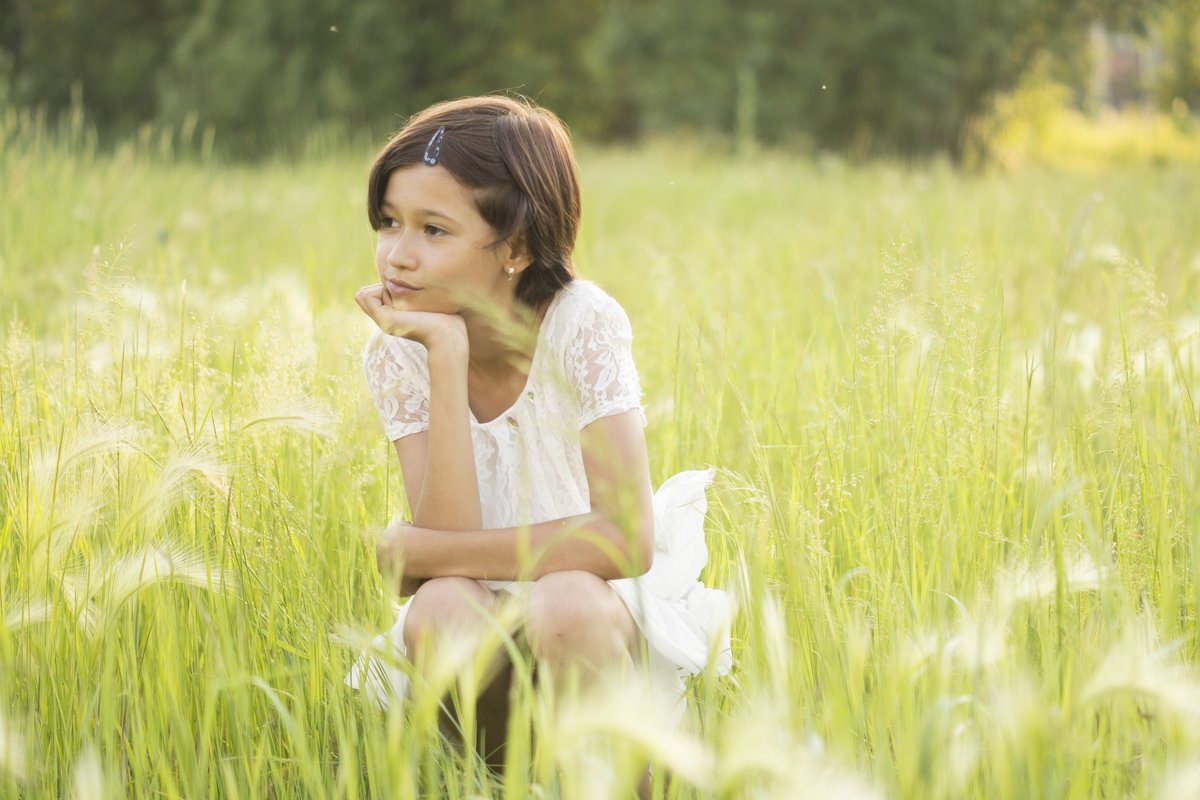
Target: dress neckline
(538, 347)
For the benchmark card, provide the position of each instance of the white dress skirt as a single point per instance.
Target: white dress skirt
(529, 465)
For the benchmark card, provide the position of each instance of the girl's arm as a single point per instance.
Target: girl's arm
(438, 464)
(615, 540)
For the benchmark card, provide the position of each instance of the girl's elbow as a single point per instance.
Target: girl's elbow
(643, 553)
(647, 557)
(632, 552)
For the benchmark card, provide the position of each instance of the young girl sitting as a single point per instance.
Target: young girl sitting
(509, 389)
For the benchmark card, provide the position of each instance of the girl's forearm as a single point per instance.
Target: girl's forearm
(587, 542)
(449, 487)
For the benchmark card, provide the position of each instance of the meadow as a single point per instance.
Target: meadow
(957, 505)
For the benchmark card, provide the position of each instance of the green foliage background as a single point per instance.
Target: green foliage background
(856, 75)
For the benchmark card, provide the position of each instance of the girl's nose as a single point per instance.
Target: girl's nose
(400, 254)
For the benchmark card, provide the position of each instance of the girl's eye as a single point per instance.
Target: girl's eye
(434, 230)
(388, 222)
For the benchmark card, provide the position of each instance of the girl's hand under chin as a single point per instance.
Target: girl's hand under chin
(427, 327)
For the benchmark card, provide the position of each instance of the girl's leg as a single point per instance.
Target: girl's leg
(579, 628)
(576, 624)
(444, 607)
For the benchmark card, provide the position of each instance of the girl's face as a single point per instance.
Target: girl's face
(434, 251)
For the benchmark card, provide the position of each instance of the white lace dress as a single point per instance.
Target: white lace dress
(529, 465)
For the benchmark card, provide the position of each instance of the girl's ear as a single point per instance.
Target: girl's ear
(518, 256)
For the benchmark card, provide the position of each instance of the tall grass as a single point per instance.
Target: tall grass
(955, 417)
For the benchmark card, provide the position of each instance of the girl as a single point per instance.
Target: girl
(509, 390)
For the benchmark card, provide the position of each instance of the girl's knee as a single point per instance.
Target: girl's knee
(569, 609)
(442, 604)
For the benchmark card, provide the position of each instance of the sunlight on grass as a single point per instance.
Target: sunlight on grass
(954, 417)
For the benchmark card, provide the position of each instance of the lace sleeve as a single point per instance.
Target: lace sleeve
(398, 378)
(599, 361)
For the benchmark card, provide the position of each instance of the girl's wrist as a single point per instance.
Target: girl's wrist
(447, 358)
(451, 343)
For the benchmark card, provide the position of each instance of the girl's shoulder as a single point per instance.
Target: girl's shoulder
(582, 306)
(593, 340)
(582, 293)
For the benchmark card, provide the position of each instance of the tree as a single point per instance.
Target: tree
(865, 76)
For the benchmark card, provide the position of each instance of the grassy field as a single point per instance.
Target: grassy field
(958, 506)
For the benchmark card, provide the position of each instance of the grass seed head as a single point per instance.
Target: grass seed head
(1032, 582)
(296, 414)
(12, 752)
(129, 574)
(88, 780)
(1138, 665)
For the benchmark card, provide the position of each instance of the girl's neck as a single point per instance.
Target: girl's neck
(497, 344)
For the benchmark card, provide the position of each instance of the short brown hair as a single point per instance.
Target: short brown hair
(517, 159)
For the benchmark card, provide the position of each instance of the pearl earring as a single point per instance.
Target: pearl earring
(510, 271)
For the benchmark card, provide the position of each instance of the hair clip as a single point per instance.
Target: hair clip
(434, 148)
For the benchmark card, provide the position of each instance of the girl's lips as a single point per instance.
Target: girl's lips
(400, 288)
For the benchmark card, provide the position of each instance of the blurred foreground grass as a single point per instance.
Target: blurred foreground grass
(956, 417)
